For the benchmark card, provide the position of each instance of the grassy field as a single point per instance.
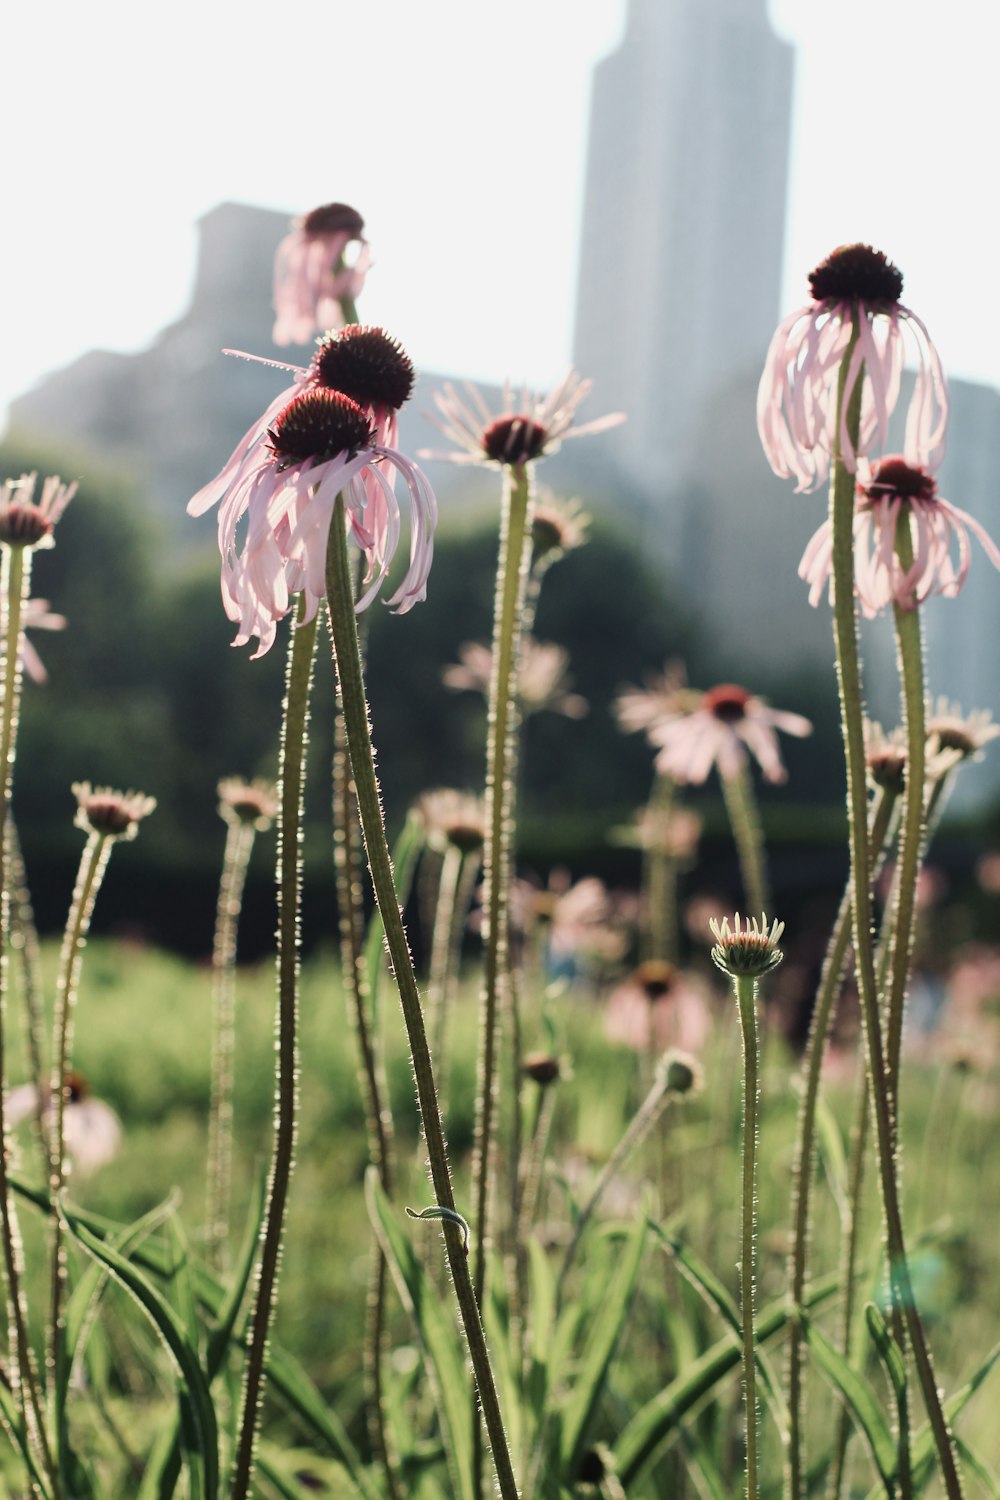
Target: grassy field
(143, 1042)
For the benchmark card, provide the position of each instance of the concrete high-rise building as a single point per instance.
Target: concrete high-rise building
(684, 219)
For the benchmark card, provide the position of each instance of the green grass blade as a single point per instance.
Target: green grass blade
(924, 1450)
(860, 1401)
(656, 1423)
(10, 1422)
(435, 1332)
(287, 1379)
(887, 1348)
(578, 1410)
(198, 1412)
(715, 1294)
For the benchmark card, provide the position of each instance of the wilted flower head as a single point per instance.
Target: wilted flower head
(717, 730)
(948, 729)
(110, 814)
(35, 615)
(885, 756)
(557, 526)
(529, 426)
(684, 1074)
(286, 481)
(855, 297)
(453, 818)
(251, 804)
(27, 522)
(543, 681)
(311, 275)
(92, 1130)
(541, 1067)
(747, 952)
(889, 491)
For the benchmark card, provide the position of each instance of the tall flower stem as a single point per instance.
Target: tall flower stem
(93, 863)
(512, 576)
(24, 940)
(831, 981)
(298, 683)
(842, 490)
(849, 1274)
(15, 577)
(443, 946)
(745, 989)
(744, 821)
(347, 659)
(909, 645)
(348, 865)
(660, 939)
(239, 843)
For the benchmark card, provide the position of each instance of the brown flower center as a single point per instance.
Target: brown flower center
(319, 424)
(366, 364)
(514, 439)
(24, 525)
(334, 218)
(894, 476)
(655, 978)
(727, 702)
(857, 272)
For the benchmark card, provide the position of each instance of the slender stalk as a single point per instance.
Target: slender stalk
(348, 866)
(15, 577)
(746, 997)
(24, 942)
(849, 680)
(660, 938)
(849, 1271)
(298, 683)
(744, 821)
(347, 660)
(239, 843)
(512, 574)
(830, 985)
(531, 1177)
(909, 644)
(93, 863)
(442, 947)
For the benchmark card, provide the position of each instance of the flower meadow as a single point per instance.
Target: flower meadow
(590, 1193)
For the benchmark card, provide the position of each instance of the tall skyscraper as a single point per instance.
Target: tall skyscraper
(684, 219)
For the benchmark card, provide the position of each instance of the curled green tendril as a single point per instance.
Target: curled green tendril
(437, 1212)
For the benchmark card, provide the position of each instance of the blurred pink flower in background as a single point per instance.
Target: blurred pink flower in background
(543, 681)
(855, 307)
(92, 1129)
(311, 275)
(35, 616)
(717, 728)
(528, 427)
(658, 1006)
(886, 490)
(664, 695)
(27, 522)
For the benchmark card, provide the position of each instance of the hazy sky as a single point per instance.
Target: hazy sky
(459, 130)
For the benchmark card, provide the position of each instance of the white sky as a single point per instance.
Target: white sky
(459, 130)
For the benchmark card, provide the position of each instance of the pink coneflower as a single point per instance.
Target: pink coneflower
(855, 291)
(726, 722)
(109, 814)
(543, 680)
(665, 696)
(321, 443)
(892, 488)
(93, 1131)
(27, 522)
(311, 276)
(529, 426)
(657, 1006)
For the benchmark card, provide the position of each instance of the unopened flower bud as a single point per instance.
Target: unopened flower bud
(746, 952)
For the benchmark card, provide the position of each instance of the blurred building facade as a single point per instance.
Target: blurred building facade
(678, 293)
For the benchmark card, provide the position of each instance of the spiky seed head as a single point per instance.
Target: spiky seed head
(746, 952)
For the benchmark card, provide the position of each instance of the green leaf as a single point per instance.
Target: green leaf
(656, 1423)
(288, 1380)
(543, 1307)
(887, 1348)
(10, 1422)
(197, 1412)
(578, 1410)
(924, 1448)
(496, 1322)
(831, 1146)
(435, 1332)
(715, 1294)
(860, 1401)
